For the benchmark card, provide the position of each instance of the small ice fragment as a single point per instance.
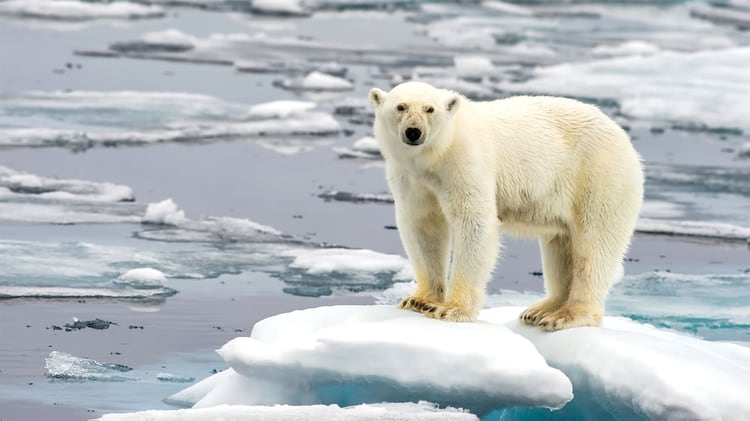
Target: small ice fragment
(280, 7)
(171, 378)
(171, 37)
(473, 66)
(164, 213)
(61, 365)
(142, 278)
(280, 109)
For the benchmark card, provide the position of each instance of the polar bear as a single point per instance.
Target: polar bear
(546, 167)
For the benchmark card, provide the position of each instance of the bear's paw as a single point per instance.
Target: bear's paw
(571, 315)
(539, 310)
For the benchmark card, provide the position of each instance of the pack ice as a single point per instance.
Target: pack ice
(495, 368)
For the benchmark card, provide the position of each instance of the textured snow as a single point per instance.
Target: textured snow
(318, 81)
(61, 365)
(346, 261)
(693, 228)
(142, 278)
(636, 369)
(85, 119)
(709, 87)
(78, 10)
(374, 412)
(165, 212)
(16, 184)
(280, 7)
(364, 354)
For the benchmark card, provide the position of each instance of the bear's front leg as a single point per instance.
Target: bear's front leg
(426, 238)
(475, 246)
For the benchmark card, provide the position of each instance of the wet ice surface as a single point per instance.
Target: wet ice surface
(186, 169)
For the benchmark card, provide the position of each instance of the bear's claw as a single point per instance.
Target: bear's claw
(539, 310)
(437, 311)
(569, 316)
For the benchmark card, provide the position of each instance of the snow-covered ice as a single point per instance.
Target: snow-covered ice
(61, 365)
(280, 7)
(362, 354)
(85, 119)
(366, 354)
(635, 370)
(318, 81)
(145, 278)
(708, 87)
(422, 411)
(78, 10)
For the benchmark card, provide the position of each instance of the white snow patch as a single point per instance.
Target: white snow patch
(693, 228)
(660, 374)
(628, 48)
(78, 10)
(381, 353)
(173, 37)
(318, 81)
(281, 7)
(165, 213)
(422, 411)
(280, 109)
(710, 87)
(142, 278)
(473, 66)
(318, 261)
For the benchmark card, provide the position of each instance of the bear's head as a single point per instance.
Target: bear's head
(414, 112)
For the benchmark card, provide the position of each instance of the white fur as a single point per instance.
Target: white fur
(546, 167)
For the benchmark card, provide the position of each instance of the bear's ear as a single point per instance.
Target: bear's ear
(452, 104)
(377, 97)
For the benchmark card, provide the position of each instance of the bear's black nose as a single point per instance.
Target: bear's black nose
(413, 134)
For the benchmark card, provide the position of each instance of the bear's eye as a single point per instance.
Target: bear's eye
(400, 107)
(430, 110)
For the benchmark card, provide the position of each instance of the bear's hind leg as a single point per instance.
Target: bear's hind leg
(597, 258)
(557, 269)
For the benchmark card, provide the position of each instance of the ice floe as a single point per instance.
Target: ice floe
(73, 10)
(422, 411)
(317, 81)
(367, 354)
(682, 91)
(361, 354)
(61, 365)
(84, 119)
(280, 7)
(365, 148)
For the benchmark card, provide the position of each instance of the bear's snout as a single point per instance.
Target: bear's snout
(413, 136)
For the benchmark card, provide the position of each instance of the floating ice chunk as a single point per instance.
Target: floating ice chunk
(636, 370)
(663, 87)
(342, 196)
(81, 120)
(693, 228)
(14, 291)
(320, 261)
(628, 48)
(171, 378)
(60, 190)
(280, 109)
(78, 10)
(172, 38)
(165, 213)
(318, 81)
(69, 367)
(142, 278)
(509, 8)
(364, 354)
(473, 66)
(723, 15)
(744, 151)
(281, 7)
(374, 412)
(366, 148)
